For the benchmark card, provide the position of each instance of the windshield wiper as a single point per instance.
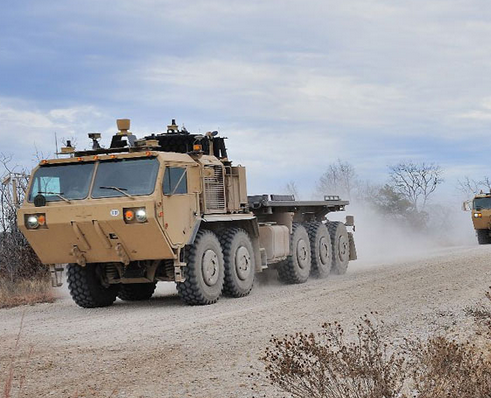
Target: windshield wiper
(59, 194)
(120, 190)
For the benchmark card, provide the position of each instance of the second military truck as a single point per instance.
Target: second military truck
(481, 216)
(172, 207)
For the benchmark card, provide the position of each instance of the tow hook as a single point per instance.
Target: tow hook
(56, 271)
(78, 256)
(123, 256)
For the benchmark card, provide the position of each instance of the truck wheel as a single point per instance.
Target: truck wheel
(86, 288)
(296, 268)
(340, 247)
(321, 249)
(204, 271)
(483, 236)
(238, 256)
(136, 291)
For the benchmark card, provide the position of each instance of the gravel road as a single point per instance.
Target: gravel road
(162, 348)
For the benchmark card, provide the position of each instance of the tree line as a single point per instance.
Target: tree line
(404, 197)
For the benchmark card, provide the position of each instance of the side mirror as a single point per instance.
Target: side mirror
(466, 206)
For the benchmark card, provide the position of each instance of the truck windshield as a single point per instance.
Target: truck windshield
(69, 181)
(126, 177)
(482, 203)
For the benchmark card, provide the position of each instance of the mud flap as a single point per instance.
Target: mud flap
(352, 247)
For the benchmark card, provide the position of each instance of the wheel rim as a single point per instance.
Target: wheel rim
(343, 248)
(210, 267)
(323, 250)
(242, 263)
(302, 254)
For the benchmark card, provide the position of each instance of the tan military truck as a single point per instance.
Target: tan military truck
(171, 207)
(480, 208)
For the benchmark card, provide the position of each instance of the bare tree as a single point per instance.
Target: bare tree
(339, 179)
(17, 259)
(416, 182)
(292, 189)
(470, 186)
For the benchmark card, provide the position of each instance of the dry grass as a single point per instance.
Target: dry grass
(24, 292)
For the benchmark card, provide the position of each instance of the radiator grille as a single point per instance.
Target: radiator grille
(215, 189)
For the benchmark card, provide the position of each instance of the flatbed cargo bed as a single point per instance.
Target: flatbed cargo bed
(267, 204)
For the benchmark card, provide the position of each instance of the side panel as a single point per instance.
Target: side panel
(236, 188)
(241, 171)
(180, 210)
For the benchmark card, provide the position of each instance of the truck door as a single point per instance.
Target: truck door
(179, 203)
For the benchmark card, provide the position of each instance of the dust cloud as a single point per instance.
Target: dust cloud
(381, 239)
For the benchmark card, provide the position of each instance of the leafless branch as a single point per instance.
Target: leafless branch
(292, 189)
(416, 182)
(339, 179)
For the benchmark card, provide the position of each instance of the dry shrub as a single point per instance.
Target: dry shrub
(325, 365)
(443, 368)
(25, 292)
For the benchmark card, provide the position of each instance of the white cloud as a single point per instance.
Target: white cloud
(482, 113)
(25, 129)
(268, 90)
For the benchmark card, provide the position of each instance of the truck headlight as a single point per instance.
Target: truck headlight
(141, 215)
(34, 221)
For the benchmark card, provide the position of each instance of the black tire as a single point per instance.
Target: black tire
(296, 268)
(86, 289)
(321, 249)
(239, 260)
(340, 247)
(204, 271)
(483, 236)
(136, 291)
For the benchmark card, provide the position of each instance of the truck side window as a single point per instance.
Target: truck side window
(175, 181)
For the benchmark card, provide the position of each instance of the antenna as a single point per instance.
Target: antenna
(56, 145)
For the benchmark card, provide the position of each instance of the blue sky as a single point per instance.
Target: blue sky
(295, 85)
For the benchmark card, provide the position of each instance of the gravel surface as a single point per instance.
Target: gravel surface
(162, 348)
